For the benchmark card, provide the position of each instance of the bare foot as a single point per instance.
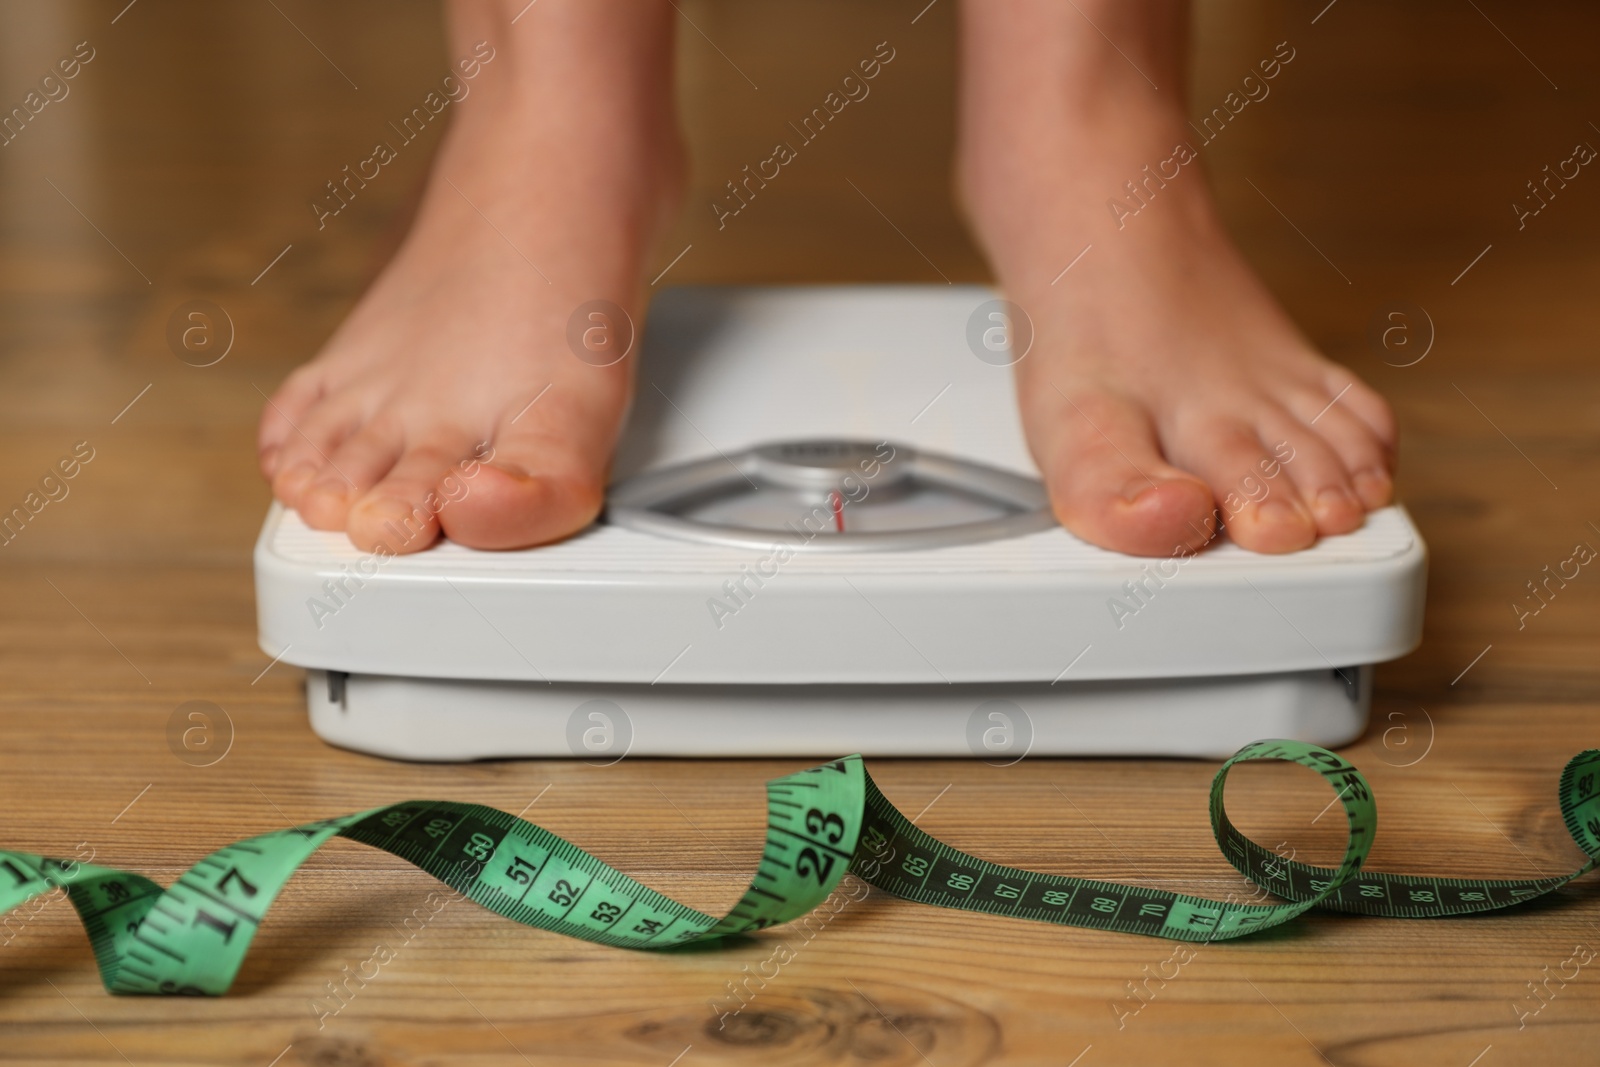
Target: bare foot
(557, 171)
(1164, 383)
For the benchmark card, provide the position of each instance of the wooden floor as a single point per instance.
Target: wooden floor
(181, 166)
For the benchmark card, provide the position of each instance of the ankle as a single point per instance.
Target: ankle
(1054, 121)
(1039, 193)
(577, 110)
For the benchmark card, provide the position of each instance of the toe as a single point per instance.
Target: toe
(354, 468)
(1364, 402)
(1243, 474)
(1368, 462)
(401, 513)
(286, 407)
(1375, 486)
(1108, 480)
(304, 456)
(531, 489)
(1316, 474)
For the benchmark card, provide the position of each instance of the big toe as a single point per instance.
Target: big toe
(1109, 482)
(528, 492)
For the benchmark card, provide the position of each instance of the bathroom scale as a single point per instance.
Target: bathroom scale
(825, 534)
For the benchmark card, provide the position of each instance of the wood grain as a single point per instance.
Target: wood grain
(1395, 144)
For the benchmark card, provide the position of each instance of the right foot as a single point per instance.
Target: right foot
(554, 178)
(1165, 383)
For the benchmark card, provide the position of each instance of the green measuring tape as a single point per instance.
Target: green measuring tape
(821, 823)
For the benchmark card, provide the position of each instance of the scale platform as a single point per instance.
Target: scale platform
(825, 535)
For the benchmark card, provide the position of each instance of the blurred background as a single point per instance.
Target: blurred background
(183, 160)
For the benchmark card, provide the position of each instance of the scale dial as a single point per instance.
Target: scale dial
(831, 495)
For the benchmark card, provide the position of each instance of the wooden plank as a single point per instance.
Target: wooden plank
(1398, 139)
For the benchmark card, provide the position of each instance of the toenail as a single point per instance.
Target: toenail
(1133, 491)
(1280, 512)
(328, 488)
(1374, 487)
(1140, 489)
(298, 473)
(1334, 501)
(394, 511)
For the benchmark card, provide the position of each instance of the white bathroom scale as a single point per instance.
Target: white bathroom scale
(825, 535)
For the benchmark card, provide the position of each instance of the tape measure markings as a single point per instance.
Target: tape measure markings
(192, 937)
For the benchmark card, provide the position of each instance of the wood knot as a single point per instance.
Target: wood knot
(863, 1023)
(327, 1051)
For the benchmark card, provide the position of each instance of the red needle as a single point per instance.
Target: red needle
(838, 509)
